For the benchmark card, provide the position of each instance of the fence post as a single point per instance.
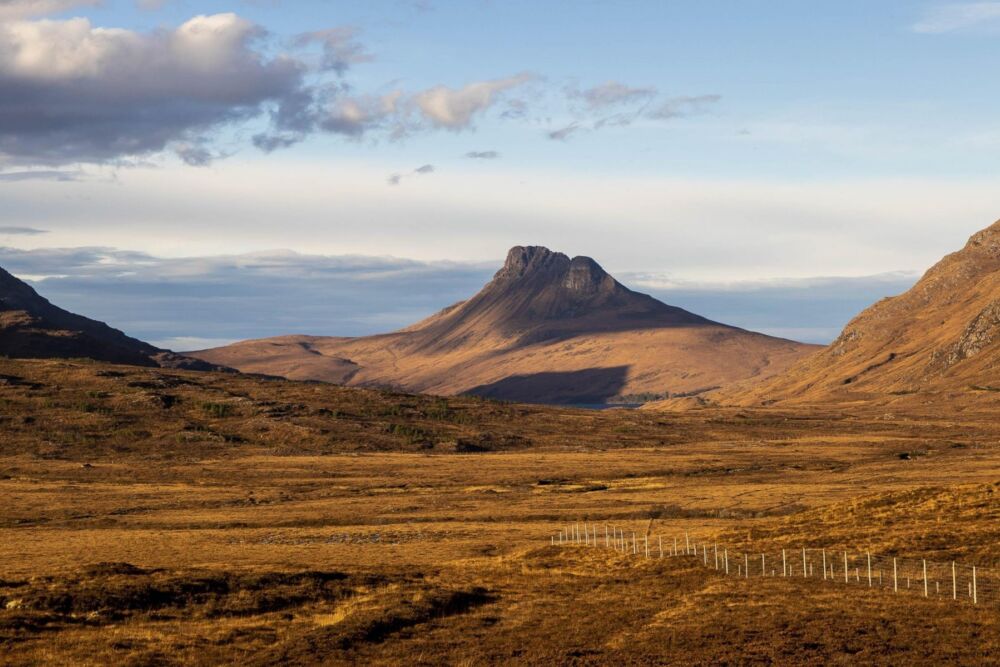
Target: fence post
(954, 582)
(763, 571)
(824, 564)
(645, 540)
(847, 576)
(895, 579)
(869, 569)
(716, 557)
(635, 545)
(805, 568)
(746, 566)
(925, 577)
(975, 594)
(784, 564)
(725, 557)
(660, 538)
(687, 544)
(704, 554)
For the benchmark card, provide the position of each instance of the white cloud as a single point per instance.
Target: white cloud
(958, 16)
(454, 109)
(11, 10)
(358, 115)
(72, 92)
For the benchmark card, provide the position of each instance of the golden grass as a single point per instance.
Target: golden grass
(446, 555)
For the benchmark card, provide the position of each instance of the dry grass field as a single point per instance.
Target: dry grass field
(162, 517)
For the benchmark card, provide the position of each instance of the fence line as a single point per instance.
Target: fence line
(861, 568)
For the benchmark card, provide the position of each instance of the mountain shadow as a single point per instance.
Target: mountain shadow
(591, 385)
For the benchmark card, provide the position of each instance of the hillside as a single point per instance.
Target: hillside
(546, 329)
(33, 328)
(938, 341)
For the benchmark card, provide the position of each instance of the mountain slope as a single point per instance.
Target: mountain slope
(33, 328)
(546, 329)
(941, 338)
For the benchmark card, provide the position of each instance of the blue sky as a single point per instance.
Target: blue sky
(702, 149)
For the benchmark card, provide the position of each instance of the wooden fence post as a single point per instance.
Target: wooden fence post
(805, 568)
(635, 545)
(824, 564)
(645, 540)
(975, 594)
(717, 557)
(725, 556)
(925, 577)
(847, 577)
(784, 564)
(763, 570)
(607, 537)
(687, 544)
(704, 554)
(869, 569)
(746, 566)
(660, 537)
(895, 578)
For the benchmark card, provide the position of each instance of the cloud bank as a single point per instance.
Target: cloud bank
(203, 301)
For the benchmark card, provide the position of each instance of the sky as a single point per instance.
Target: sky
(200, 172)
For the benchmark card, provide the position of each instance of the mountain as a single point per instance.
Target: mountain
(938, 341)
(546, 329)
(33, 328)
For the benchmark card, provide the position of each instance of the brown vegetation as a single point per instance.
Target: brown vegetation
(939, 343)
(168, 517)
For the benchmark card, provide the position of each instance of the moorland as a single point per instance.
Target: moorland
(157, 516)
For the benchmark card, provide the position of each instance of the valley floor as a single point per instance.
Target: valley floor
(430, 558)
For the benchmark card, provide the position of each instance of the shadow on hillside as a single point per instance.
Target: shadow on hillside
(591, 385)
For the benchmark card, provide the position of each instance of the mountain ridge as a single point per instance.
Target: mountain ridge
(940, 338)
(545, 328)
(31, 327)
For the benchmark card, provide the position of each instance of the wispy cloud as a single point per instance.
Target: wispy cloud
(483, 155)
(616, 104)
(959, 16)
(38, 175)
(341, 49)
(423, 170)
(21, 231)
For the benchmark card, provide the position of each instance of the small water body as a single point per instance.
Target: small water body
(604, 406)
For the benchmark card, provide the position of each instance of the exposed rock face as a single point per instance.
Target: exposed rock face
(33, 328)
(940, 337)
(546, 328)
(979, 336)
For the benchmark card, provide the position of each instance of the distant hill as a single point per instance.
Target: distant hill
(546, 329)
(33, 328)
(938, 341)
